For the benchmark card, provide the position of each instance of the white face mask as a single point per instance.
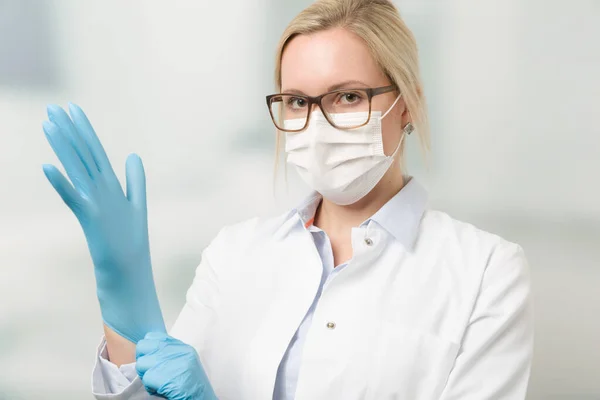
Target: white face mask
(342, 165)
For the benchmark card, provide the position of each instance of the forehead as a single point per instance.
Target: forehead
(313, 63)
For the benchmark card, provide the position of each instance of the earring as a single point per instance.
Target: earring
(408, 128)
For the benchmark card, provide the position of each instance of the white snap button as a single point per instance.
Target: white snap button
(368, 242)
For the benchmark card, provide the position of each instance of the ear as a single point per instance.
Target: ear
(406, 117)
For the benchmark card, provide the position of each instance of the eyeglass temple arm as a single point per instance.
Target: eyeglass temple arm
(384, 89)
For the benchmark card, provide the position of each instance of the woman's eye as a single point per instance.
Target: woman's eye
(296, 103)
(349, 98)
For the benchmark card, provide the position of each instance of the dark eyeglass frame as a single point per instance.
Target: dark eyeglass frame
(371, 92)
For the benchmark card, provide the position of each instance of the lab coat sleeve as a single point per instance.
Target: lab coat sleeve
(116, 383)
(495, 356)
(123, 383)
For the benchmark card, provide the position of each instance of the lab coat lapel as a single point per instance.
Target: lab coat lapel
(294, 260)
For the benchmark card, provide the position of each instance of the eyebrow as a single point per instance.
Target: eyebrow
(346, 84)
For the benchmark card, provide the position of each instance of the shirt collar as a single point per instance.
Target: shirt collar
(400, 216)
(307, 209)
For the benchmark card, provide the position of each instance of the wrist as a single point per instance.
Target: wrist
(131, 313)
(120, 350)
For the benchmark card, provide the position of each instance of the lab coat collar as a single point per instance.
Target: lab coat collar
(400, 216)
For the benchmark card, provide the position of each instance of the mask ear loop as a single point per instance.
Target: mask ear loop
(399, 144)
(408, 129)
(392, 107)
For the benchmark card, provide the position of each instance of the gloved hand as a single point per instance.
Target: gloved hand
(171, 369)
(115, 225)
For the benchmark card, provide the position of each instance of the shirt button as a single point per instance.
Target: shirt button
(331, 325)
(368, 242)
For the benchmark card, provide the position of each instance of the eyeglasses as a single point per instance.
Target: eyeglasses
(291, 112)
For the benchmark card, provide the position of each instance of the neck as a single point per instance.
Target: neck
(339, 220)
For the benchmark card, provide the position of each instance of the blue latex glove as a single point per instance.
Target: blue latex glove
(115, 225)
(171, 369)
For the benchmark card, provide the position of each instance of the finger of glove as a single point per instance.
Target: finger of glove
(156, 379)
(136, 181)
(68, 157)
(60, 118)
(144, 363)
(64, 188)
(84, 127)
(175, 380)
(147, 346)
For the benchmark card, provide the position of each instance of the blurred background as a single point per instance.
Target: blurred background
(514, 96)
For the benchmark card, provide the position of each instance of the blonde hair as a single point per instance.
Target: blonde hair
(391, 43)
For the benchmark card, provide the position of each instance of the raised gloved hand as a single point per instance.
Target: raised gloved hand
(115, 225)
(171, 369)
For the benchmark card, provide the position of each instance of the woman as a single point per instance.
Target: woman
(359, 293)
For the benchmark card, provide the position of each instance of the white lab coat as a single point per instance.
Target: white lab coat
(448, 318)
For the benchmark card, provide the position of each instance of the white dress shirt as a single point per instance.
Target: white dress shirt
(427, 308)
